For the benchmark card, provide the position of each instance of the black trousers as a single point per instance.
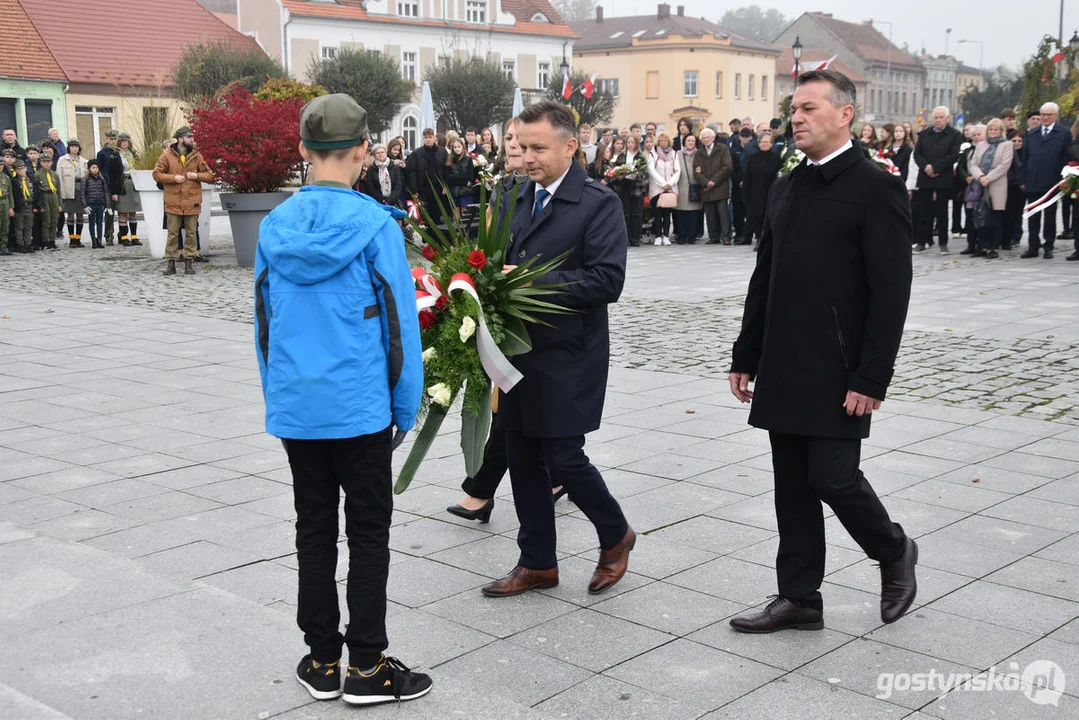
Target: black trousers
(738, 209)
(633, 211)
(756, 227)
(932, 205)
(1013, 217)
(1067, 206)
(809, 471)
(960, 221)
(530, 460)
(495, 464)
(661, 218)
(1046, 222)
(320, 470)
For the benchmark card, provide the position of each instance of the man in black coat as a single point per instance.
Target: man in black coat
(1045, 153)
(820, 332)
(424, 170)
(936, 153)
(10, 141)
(112, 167)
(560, 209)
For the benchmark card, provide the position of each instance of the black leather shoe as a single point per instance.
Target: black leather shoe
(562, 492)
(482, 513)
(1066, 235)
(780, 614)
(1073, 256)
(898, 585)
(1029, 254)
(1048, 254)
(967, 251)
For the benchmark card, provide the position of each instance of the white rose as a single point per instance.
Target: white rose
(468, 329)
(440, 394)
(428, 354)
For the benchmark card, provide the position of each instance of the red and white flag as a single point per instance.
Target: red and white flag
(1058, 57)
(567, 89)
(588, 87)
(824, 65)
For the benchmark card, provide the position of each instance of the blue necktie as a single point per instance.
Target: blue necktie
(541, 196)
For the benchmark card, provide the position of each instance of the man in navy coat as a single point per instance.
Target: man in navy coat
(547, 414)
(1045, 153)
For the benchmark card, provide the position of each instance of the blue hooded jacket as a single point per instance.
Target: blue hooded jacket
(336, 331)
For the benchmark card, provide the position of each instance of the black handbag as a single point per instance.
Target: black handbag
(694, 192)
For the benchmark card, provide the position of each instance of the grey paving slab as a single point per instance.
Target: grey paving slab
(522, 675)
(669, 608)
(713, 534)
(961, 640)
(1008, 607)
(786, 650)
(1042, 576)
(608, 699)
(657, 558)
(590, 639)
(861, 665)
(700, 676)
(797, 696)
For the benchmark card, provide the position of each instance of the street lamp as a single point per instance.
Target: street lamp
(981, 58)
(796, 49)
(1074, 42)
(564, 66)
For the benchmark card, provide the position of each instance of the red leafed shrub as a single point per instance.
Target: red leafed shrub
(251, 144)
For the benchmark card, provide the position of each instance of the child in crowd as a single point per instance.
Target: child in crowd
(96, 194)
(49, 182)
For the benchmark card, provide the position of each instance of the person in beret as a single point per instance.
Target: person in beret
(338, 348)
(182, 170)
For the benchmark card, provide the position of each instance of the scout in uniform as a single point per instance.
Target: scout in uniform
(27, 204)
(7, 206)
(49, 182)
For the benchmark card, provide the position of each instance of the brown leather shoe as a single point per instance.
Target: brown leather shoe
(780, 614)
(521, 580)
(612, 564)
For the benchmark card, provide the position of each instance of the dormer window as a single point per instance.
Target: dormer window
(616, 35)
(540, 18)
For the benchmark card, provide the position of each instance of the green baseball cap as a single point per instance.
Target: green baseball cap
(333, 122)
(185, 130)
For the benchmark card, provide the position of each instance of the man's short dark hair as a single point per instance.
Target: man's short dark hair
(735, 121)
(556, 113)
(428, 132)
(775, 123)
(635, 125)
(470, 130)
(842, 91)
(1007, 113)
(745, 132)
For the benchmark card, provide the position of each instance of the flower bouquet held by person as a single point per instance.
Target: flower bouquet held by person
(472, 316)
(638, 165)
(793, 160)
(884, 162)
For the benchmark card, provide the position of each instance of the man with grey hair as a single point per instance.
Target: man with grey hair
(935, 154)
(1045, 153)
(821, 329)
(714, 169)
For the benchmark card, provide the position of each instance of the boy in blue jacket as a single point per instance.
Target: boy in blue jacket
(338, 346)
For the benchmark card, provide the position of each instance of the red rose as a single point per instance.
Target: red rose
(477, 259)
(442, 303)
(429, 252)
(427, 319)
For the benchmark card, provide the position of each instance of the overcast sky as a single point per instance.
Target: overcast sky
(1010, 30)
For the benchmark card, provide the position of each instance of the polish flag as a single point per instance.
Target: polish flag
(824, 65)
(567, 89)
(1058, 57)
(588, 87)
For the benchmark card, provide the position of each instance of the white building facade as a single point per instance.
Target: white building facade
(526, 38)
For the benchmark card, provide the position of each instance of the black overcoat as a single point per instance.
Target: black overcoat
(565, 374)
(828, 299)
(760, 174)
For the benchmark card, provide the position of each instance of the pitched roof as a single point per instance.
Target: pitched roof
(23, 54)
(866, 41)
(138, 45)
(968, 70)
(522, 10)
(812, 58)
(617, 32)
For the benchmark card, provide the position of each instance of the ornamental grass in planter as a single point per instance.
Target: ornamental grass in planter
(253, 147)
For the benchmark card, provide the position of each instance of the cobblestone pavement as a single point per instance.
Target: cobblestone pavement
(990, 336)
(147, 559)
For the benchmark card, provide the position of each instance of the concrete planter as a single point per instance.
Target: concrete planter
(246, 211)
(153, 211)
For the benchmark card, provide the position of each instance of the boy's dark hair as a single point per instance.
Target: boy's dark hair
(428, 132)
(635, 125)
(1014, 132)
(556, 113)
(470, 129)
(1007, 113)
(334, 155)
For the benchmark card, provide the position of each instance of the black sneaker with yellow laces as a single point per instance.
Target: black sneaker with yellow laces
(390, 682)
(322, 680)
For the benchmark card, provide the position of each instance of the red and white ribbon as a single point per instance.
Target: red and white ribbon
(495, 364)
(1054, 195)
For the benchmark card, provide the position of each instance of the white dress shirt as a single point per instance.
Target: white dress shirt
(832, 156)
(553, 187)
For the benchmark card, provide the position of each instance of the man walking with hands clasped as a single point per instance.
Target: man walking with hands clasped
(822, 324)
(338, 346)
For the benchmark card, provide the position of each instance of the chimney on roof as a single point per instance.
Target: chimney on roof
(599, 13)
(681, 10)
(664, 11)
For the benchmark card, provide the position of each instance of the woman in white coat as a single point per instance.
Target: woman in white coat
(663, 174)
(72, 169)
(989, 168)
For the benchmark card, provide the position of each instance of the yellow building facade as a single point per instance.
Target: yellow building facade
(666, 66)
